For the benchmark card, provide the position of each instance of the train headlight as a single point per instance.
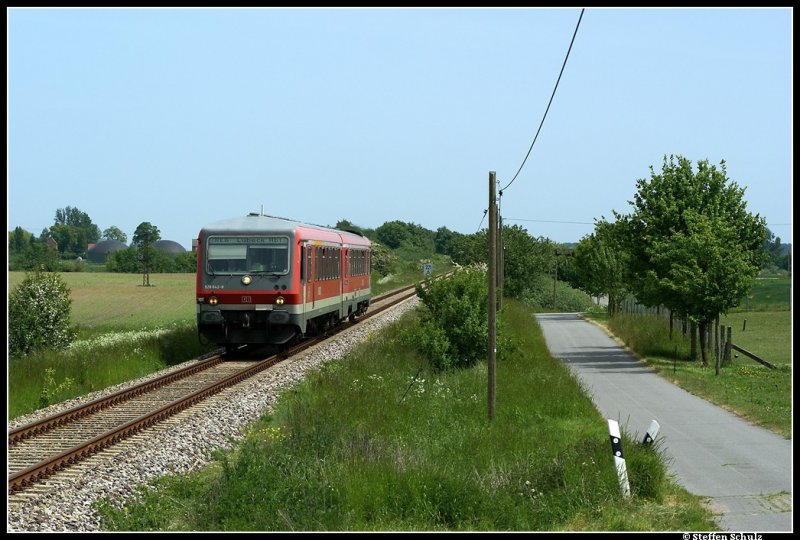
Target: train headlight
(213, 300)
(246, 280)
(279, 301)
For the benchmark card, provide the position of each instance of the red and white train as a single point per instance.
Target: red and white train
(263, 279)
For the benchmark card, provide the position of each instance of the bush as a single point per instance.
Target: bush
(38, 314)
(455, 329)
(538, 295)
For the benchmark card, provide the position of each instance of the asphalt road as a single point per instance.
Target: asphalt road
(746, 471)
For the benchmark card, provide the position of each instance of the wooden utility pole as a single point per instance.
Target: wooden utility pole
(500, 262)
(492, 291)
(555, 277)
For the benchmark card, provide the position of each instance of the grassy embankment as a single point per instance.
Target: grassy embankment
(124, 331)
(363, 445)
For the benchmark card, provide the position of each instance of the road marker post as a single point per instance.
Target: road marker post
(619, 458)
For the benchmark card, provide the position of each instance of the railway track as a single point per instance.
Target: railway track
(38, 450)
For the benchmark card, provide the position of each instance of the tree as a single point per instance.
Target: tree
(38, 314)
(17, 241)
(392, 234)
(114, 233)
(693, 245)
(443, 240)
(73, 230)
(599, 264)
(124, 260)
(525, 257)
(470, 249)
(144, 237)
(776, 256)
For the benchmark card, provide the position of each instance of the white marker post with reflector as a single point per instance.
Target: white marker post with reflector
(619, 459)
(652, 431)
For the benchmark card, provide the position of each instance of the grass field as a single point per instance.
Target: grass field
(768, 294)
(112, 302)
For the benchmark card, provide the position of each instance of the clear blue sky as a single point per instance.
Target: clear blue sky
(181, 117)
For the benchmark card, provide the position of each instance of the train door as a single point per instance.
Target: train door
(310, 289)
(342, 281)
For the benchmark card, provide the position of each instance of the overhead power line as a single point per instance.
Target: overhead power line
(550, 221)
(548, 104)
(481, 223)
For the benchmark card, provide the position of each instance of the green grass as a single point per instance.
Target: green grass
(47, 377)
(768, 294)
(768, 334)
(112, 302)
(364, 445)
(408, 269)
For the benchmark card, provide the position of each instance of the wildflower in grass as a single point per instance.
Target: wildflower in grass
(273, 433)
(50, 389)
(134, 338)
(268, 434)
(375, 380)
(440, 390)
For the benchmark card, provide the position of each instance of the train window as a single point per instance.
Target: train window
(248, 254)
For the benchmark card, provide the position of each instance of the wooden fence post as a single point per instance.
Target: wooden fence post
(716, 340)
(728, 345)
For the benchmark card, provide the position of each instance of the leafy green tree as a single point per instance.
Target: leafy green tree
(38, 256)
(124, 260)
(693, 245)
(470, 248)
(392, 234)
(38, 314)
(599, 264)
(525, 257)
(114, 233)
(185, 262)
(18, 240)
(144, 237)
(443, 240)
(775, 254)
(73, 230)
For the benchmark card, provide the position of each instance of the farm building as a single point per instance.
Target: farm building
(169, 247)
(100, 251)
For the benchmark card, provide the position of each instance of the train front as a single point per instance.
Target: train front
(248, 281)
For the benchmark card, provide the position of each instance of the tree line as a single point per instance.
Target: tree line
(689, 245)
(63, 247)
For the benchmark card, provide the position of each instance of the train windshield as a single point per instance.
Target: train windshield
(248, 255)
